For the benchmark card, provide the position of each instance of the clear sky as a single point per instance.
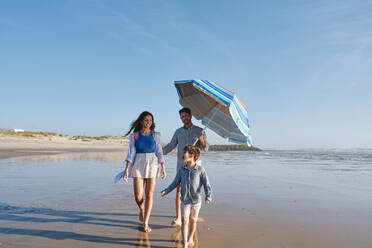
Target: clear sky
(302, 68)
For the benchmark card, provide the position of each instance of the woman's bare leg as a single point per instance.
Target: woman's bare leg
(177, 221)
(138, 184)
(149, 191)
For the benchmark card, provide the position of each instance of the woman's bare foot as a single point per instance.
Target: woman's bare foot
(146, 228)
(141, 215)
(176, 222)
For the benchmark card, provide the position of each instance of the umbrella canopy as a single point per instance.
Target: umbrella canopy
(218, 108)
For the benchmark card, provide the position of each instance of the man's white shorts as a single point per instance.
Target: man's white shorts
(190, 210)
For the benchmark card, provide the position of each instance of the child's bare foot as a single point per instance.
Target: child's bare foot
(176, 222)
(146, 228)
(185, 244)
(191, 243)
(141, 215)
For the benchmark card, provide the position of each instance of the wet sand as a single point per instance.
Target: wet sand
(69, 200)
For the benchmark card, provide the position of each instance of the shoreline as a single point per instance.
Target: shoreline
(17, 146)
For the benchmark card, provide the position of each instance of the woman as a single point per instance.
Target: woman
(142, 163)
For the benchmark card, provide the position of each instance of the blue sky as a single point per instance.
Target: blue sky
(302, 68)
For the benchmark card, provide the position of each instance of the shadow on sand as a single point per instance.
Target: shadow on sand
(27, 215)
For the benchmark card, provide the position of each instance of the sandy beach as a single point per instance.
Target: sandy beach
(69, 199)
(19, 145)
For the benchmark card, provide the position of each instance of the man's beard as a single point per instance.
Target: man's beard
(187, 123)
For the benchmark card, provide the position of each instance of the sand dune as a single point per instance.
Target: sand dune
(34, 143)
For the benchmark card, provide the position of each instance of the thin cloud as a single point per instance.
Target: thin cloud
(126, 23)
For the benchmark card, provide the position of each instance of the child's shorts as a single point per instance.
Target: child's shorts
(190, 210)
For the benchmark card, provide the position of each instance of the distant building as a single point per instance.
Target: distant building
(16, 130)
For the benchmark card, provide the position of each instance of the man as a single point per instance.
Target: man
(184, 136)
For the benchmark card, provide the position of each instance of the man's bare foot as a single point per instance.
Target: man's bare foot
(176, 222)
(146, 228)
(141, 215)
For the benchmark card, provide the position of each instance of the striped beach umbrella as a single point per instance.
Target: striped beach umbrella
(218, 108)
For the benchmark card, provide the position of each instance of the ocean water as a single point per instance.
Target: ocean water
(63, 179)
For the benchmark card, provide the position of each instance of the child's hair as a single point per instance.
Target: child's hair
(193, 150)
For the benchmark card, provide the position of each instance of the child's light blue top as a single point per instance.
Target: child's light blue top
(192, 182)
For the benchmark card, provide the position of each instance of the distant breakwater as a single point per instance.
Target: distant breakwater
(233, 148)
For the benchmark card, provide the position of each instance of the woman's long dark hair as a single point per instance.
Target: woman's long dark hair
(136, 125)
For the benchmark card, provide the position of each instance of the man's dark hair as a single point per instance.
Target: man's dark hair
(185, 110)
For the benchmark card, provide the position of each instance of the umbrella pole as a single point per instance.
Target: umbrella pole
(196, 140)
(205, 126)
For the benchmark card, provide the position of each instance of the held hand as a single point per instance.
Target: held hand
(162, 193)
(207, 202)
(163, 174)
(125, 177)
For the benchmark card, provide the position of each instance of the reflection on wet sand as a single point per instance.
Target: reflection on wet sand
(107, 157)
(176, 238)
(143, 238)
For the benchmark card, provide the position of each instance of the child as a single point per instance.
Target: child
(192, 177)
